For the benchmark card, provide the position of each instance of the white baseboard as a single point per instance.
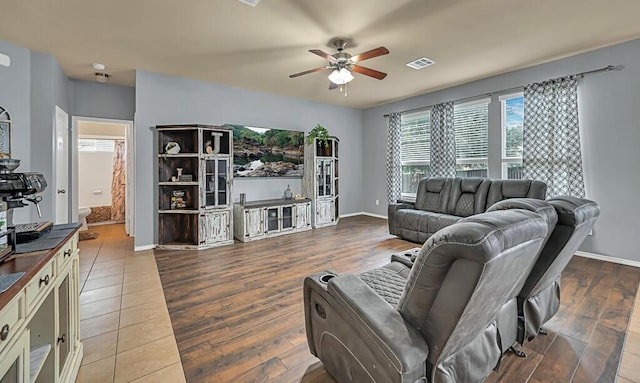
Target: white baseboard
(606, 258)
(363, 213)
(375, 215)
(145, 247)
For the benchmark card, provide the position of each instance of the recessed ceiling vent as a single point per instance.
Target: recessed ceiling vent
(420, 63)
(252, 3)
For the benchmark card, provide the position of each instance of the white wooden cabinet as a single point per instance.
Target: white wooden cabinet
(269, 218)
(321, 181)
(324, 211)
(40, 337)
(215, 228)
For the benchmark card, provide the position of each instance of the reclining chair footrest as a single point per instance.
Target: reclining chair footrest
(519, 353)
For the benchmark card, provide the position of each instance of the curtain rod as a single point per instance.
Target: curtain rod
(608, 68)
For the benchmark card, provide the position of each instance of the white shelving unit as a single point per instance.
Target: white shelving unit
(321, 181)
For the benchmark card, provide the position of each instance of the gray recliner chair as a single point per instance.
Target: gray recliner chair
(441, 327)
(539, 298)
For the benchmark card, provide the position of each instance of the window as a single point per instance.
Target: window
(414, 150)
(95, 145)
(471, 122)
(512, 123)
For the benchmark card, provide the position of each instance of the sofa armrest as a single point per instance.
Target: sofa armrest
(391, 214)
(380, 325)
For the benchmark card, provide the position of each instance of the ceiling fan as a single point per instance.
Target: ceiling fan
(341, 64)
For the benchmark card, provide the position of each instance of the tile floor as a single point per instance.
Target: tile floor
(124, 322)
(125, 325)
(630, 367)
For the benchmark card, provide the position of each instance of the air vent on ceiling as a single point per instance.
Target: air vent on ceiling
(420, 63)
(252, 3)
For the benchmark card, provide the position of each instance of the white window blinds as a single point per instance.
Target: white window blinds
(415, 137)
(95, 145)
(471, 123)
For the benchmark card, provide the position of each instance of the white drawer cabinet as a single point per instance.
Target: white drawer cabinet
(41, 343)
(270, 218)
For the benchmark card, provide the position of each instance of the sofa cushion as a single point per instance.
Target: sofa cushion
(419, 225)
(432, 194)
(387, 281)
(504, 189)
(468, 196)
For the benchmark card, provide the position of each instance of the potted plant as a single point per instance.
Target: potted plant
(322, 144)
(319, 132)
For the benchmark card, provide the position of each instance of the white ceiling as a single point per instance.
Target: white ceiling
(228, 42)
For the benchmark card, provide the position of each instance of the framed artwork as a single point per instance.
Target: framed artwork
(267, 152)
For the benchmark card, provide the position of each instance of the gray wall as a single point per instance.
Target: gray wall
(50, 87)
(92, 99)
(96, 100)
(15, 94)
(610, 123)
(162, 99)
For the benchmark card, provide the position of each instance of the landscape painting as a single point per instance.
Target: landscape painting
(267, 152)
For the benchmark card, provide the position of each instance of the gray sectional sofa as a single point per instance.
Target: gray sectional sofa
(448, 312)
(441, 202)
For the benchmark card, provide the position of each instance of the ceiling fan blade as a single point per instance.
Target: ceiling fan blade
(307, 72)
(369, 72)
(370, 54)
(332, 86)
(323, 54)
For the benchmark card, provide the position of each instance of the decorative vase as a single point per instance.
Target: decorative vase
(172, 148)
(288, 194)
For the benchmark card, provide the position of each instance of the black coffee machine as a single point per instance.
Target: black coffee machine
(16, 188)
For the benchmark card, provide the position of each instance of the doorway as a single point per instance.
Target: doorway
(103, 171)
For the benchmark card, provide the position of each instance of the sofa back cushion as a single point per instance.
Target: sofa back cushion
(433, 193)
(504, 189)
(468, 196)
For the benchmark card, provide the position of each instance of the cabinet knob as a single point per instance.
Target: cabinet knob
(62, 338)
(67, 253)
(44, 280)
(4, 333)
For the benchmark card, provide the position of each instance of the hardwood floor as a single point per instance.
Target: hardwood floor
(237, 311)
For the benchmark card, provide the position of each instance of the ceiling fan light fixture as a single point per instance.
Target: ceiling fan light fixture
(340, 77)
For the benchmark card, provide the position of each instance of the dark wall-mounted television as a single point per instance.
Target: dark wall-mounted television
(267, 152)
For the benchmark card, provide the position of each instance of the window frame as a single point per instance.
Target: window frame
(411, 197)
(474, 160)
(504, 160)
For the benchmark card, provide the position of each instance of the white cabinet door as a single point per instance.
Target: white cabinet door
(324, 211)
(254, 222)
(214, 227)
(303, 213)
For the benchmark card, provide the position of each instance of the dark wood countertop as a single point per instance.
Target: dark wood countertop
(272, 202)
(30, 264)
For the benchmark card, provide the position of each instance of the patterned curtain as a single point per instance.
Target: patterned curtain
(117, 183)
(551, 136)
(394, 167)
(443, 141)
